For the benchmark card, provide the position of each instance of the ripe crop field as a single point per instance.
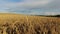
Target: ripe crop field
(23, 24)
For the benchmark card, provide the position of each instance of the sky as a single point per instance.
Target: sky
(30, 7)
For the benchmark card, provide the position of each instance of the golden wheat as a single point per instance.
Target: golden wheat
(22, 24)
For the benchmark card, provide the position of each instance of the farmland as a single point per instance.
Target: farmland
(23, 24)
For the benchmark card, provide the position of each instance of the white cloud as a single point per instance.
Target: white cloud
(4, 12)
(7, 12)
(52, 13)
(44, 13)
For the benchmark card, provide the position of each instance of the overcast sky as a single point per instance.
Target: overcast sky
(35, 7)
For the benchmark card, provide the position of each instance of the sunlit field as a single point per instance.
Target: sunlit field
(23, 24)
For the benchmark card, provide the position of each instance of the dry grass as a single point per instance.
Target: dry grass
(22, 24)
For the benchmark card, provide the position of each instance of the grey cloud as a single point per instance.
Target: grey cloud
(29, 7)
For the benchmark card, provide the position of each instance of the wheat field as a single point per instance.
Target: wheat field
(23, 24)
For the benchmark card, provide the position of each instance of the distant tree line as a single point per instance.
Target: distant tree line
(49, 15)
(53, 16)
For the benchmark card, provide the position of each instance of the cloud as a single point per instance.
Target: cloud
(27, 4)
(44, 13)
(6, 12)
(52, 13)
(31, 6)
